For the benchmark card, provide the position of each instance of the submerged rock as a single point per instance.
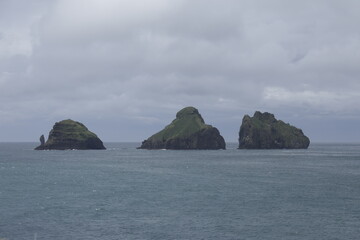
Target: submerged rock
(187, 131)
(264, 131)
(69, 134)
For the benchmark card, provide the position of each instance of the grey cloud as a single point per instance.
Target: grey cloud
(136, 62)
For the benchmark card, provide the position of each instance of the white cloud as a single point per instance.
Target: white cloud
(334, 101)
(89, 21)
(15, 42)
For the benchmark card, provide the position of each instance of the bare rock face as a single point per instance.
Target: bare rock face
(69, 134)
(187, 131)
(264, 131)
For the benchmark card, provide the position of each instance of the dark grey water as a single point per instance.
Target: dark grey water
(124, 193)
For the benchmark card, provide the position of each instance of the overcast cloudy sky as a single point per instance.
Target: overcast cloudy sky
(125, 67)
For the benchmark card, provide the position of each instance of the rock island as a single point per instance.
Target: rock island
(264, 131)
(187, 131)
(69, 134)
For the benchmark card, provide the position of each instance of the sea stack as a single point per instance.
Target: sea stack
(42, 140)
(264, 131)
(69, 134)
(187, 131)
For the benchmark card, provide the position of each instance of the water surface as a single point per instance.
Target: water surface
(125, 193)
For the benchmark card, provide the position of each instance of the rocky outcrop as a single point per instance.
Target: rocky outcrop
(264, 131)
(42, 140)
(69, 134)
(187, 131)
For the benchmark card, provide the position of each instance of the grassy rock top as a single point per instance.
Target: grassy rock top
(69, 129)
(269, 122)
(187, 122)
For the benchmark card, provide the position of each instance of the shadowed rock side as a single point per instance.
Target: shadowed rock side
(264, 131)
(42, 140)
(69, 134)
(187, 131)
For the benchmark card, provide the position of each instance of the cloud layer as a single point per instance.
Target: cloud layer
(133, 64)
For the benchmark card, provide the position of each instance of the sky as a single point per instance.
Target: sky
(124, 67)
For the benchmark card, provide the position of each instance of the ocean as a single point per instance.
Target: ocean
(126, 193)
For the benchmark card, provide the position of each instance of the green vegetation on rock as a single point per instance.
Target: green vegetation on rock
(187, 122)
(69, 134)
(187, 131)
(264, 131)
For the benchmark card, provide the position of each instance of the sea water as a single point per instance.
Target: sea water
(125, 193)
